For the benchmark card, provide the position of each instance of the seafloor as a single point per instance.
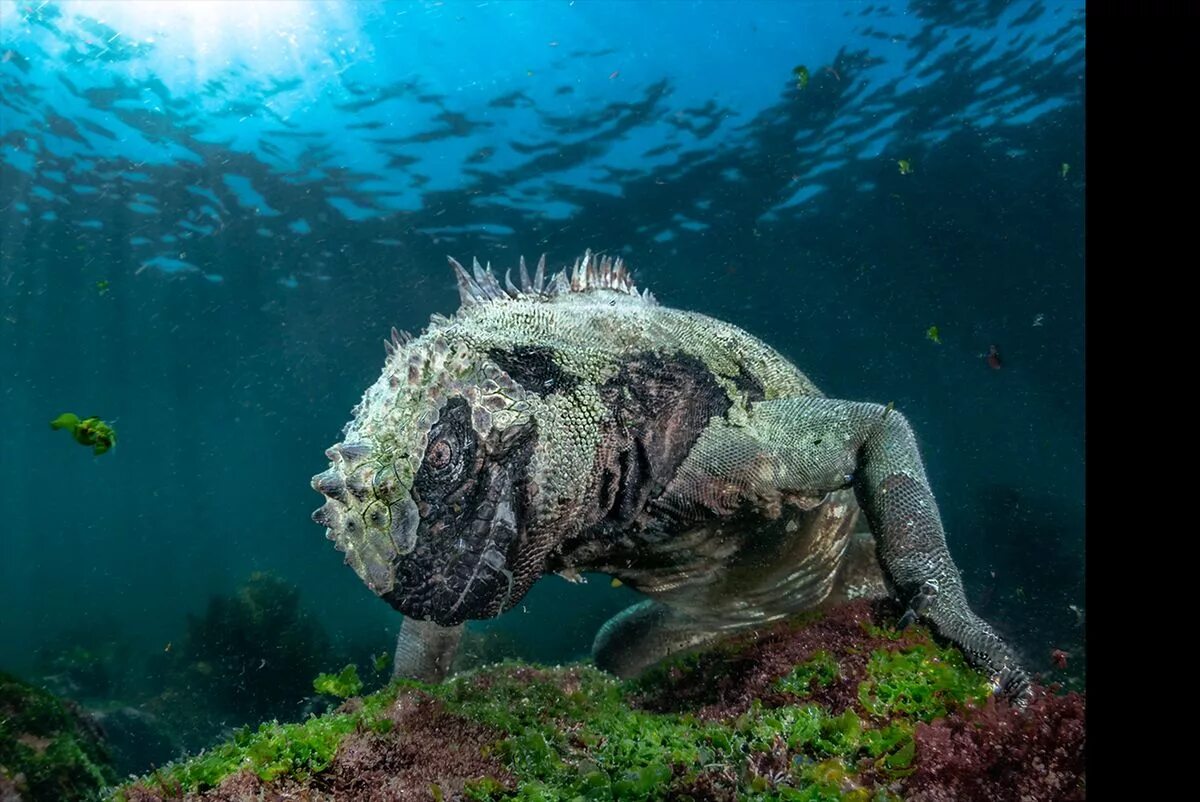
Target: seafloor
(822, 707)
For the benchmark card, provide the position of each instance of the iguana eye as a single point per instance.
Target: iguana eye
(439, 454)
(449, 454)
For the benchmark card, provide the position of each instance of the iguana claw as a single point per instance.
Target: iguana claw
(1013, 684)
(921, 601)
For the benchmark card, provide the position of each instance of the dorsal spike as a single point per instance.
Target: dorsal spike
(493, 288)
(560, 284)
(589, 268)
(487, 281)
(469, 293)
(539, 279)
(577, 272)
(512, 291)
(523, 272)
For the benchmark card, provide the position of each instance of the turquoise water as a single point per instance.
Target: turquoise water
(211, 213)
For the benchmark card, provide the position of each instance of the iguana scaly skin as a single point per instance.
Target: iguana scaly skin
(576, 425)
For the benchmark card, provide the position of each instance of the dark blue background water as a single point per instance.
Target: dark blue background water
(269, 187)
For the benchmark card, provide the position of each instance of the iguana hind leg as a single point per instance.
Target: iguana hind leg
(645, 633)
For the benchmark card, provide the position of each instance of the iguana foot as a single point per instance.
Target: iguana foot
(1014, 685)
(983, 648)
(977, 641)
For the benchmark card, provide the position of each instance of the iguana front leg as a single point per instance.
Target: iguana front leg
(816, 445)
(425, 650)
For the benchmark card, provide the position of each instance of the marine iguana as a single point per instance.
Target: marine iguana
(576, 425)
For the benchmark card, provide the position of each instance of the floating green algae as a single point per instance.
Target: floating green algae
(87, 431)
(343, 684)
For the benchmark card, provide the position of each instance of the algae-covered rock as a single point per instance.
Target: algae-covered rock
(394, 745)
(49, 750)
(822, 707)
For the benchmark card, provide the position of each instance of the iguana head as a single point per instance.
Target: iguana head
(434, 492)
(427, 494)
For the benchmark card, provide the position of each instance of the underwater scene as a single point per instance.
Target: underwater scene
(542, 400)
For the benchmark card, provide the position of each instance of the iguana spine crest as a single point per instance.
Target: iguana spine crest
(589, 273)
